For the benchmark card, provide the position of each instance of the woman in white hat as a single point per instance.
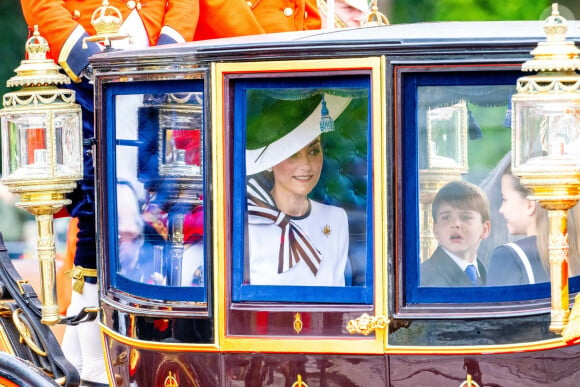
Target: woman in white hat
(293, 240)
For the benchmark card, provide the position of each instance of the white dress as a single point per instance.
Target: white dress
(326, 227)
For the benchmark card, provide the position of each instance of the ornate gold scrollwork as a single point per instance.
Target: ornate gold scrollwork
(25, 334)
(107, 21)
(571, 332)
(366, 324)
(299, 382)
(468, 382)
(298, 325)
(170, 380)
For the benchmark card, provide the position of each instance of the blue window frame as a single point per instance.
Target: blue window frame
(485, 94)
(345, 182)
(166, 112)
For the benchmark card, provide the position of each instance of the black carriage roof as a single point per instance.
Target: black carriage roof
(523, 34)
(412, 33)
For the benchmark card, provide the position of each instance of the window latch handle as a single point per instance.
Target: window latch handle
(366, 324)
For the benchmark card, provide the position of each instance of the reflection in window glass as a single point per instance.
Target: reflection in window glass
(464, 143)
(160, 214)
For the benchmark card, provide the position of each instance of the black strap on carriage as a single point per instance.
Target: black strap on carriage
(23, 333)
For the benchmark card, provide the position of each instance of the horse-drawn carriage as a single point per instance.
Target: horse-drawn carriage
(428, 103)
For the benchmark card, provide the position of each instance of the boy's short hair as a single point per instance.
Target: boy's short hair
(463, 195)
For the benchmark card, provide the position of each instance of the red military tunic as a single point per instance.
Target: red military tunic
(227, 18)
(65, 24)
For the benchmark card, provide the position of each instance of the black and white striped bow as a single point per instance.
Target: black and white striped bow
(295, 245)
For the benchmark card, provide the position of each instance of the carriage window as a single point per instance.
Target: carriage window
(465, 220)
(302, 189)
(159, 192)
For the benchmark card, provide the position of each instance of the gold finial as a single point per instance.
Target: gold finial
(555, 25)
(107, 21)
(366, 324)
(375, 17)
(36, 46)
(171, 380)
(556, 53)
(37, 70)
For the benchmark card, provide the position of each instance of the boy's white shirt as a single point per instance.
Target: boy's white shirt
(461, 262)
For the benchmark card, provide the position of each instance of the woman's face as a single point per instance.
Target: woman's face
(299, 173)
(515, 208)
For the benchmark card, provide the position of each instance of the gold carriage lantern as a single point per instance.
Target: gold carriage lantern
(546, 145)
(180, 170)
(41, 152)
(180, 123)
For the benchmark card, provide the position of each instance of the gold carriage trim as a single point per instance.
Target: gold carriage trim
(366, 324)
(298, 325)
(170, 380)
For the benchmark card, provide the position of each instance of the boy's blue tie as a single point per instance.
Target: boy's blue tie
(471, 272)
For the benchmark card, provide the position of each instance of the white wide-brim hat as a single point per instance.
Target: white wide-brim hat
(264, 158)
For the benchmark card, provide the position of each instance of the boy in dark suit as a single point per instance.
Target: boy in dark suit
(461, 220)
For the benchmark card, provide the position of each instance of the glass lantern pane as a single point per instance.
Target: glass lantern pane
(67, 140)
(548, 133)
(28, 153)
(447, 129)
(443, 117)
(181, 134)
(160, 189)
(10, 154)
